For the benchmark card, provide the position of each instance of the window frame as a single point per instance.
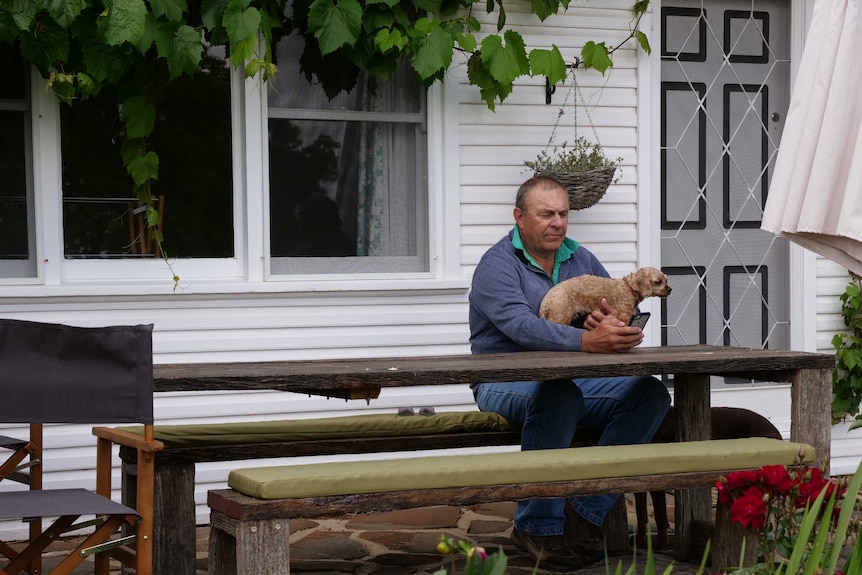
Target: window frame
(24, 270)
(249, 270)
(282, 268)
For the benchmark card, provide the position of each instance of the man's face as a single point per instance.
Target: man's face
(543, 222)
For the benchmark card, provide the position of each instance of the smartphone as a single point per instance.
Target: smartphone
(640, 319)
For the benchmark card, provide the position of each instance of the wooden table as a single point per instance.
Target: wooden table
(810, 376)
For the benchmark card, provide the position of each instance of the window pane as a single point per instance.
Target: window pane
(13, 86)
(17, 244)
(290, 89)
(192, 137)
(347, 176)
(13, 187)
(335, 190)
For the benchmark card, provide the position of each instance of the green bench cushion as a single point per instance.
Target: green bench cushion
(351, 477)
(345, 427)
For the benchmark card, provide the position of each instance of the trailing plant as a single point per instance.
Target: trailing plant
(581, 156)
(847, 375)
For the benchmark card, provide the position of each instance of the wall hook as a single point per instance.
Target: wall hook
(549, 90)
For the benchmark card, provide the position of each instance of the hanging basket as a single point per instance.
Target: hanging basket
(584, 188)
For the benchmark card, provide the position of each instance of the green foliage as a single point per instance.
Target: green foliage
(479, 562)
(581, 156)
(847, 375)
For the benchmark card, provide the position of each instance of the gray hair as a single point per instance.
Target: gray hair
(534, 182)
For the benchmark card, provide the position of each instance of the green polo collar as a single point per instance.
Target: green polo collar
(564, 252)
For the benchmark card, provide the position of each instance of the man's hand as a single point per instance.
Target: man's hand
(605, 333)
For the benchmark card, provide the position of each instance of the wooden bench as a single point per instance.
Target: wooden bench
(253, 514)
(186, 445)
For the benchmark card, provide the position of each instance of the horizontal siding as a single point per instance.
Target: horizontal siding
(494, 145)
(832, 280)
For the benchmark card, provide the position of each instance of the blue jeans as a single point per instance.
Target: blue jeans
(629, 410)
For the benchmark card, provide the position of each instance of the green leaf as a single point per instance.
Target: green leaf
(243, 50)
(21, 12)
(335, 25)
(375, 18)
(85, 84)
(505, 63)
(47, 48)
(596, 56)
(152, 216)
(256, 65)
(143, 167)
(643, 41)
(171, 9)
(467, 42)
(139, 117)
(544, 8)
(489, 89)
(386, 40)
(181, 46)
(149, 35)
(63, 87)
(852, 358)
(212, 12)
(548, 63)
(433, 53)
(107, 66)
(64, 12)
(240, 22)
(424, 26)
(430, 6)
(640, 7)
(125, 21)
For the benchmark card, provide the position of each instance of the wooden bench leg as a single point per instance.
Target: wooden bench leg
(616, 528)
(691, 396)
(174, 529)
(248, 547)
(727, 543)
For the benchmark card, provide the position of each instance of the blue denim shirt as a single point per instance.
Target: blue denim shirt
(505, 296)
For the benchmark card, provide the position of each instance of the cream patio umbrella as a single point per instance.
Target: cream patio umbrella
(815, 197)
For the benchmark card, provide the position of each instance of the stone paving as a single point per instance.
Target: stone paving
(404, 543)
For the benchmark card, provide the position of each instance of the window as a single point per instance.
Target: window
(17, 238)
(192, 137)
(348, 176)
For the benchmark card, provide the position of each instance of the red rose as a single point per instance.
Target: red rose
(749, 509)
(776, 478)
(742, 479)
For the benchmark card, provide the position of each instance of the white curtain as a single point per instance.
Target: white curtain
(815, 197)
(373, 200)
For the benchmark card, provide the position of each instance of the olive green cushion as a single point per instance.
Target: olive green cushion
(351, 426)
(342, 478)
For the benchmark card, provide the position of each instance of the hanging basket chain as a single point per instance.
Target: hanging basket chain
(584, 188)
(576, 90)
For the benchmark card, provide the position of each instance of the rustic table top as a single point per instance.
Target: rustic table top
(328, 376)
